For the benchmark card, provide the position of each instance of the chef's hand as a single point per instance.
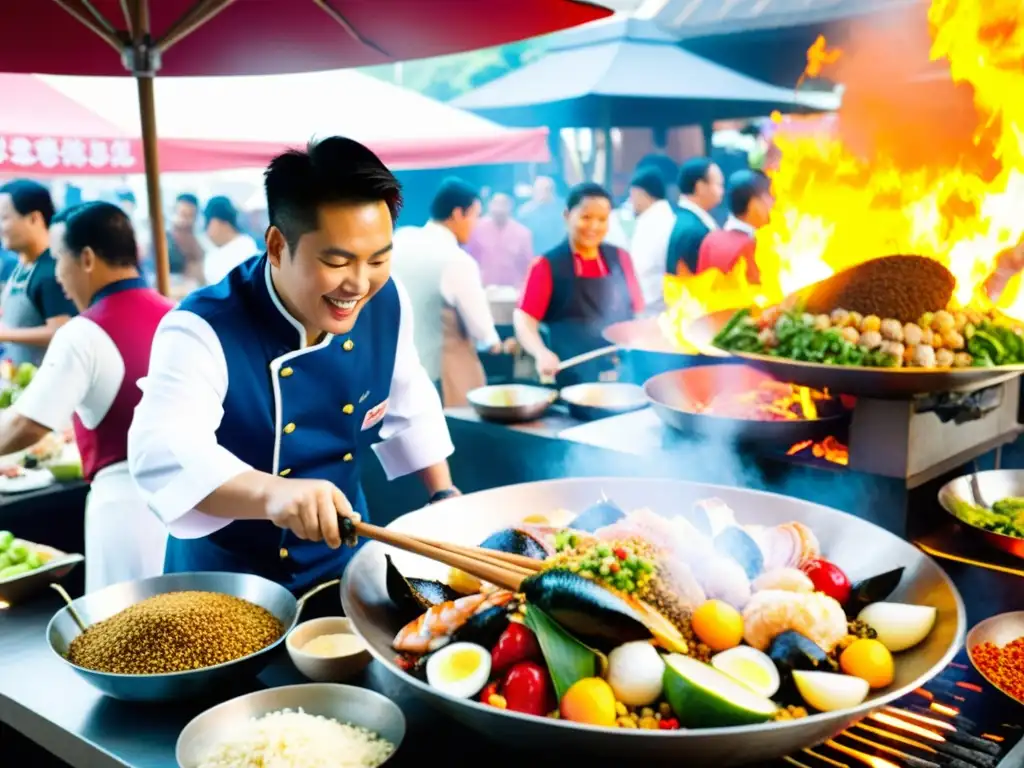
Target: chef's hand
(309, 508)
(547, 363)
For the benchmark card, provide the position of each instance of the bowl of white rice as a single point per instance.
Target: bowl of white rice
(319, 725)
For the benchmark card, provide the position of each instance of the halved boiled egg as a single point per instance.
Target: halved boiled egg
(459, 669)
(749, 666)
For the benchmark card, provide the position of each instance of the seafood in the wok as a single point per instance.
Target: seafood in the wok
(639, 620)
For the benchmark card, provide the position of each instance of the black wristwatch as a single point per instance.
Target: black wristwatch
(447, 493)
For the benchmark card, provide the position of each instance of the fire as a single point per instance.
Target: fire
(829, 449)
(891, 174)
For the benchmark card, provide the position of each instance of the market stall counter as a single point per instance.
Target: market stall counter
(44, 700)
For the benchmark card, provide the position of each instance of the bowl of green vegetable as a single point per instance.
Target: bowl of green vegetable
(990, 505)
(27, 567)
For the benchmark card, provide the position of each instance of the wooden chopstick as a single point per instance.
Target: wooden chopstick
(505, 576)
(522, 562)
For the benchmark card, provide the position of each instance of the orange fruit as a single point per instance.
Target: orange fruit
(718, 625)
(589, 701)
(870, 661)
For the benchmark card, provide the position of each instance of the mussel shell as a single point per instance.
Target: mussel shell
(515, 542)
(587, 611)
(736, 543)
(597, 516)
(483, 628)
(790, 650)
(872, 590)
(413, 596)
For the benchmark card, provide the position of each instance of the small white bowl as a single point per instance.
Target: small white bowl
(325, 669)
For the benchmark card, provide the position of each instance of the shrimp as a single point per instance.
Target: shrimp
(434, 629)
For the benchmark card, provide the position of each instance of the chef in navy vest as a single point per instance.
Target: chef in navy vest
(89, 377)
(576, 290)
(267, 390)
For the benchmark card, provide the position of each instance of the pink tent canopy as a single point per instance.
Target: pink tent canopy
(52, 125)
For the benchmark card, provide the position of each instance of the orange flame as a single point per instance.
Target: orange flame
(914, 164)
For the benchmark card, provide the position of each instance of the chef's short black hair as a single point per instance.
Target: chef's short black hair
(334, 170)
(745, 186)
(220, 208)
(30, 197)
(105, 228)
(582, 191)
(189, 198)
(454, 194)
(692, 171)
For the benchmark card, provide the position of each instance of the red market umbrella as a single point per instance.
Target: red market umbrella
(232, 37)
(48, 129)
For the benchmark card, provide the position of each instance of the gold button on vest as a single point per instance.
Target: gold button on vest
(348, 408)
(283, 553)
(289, 428)
(284, 472)
(347, 457)
(348, 345)
(286, 372)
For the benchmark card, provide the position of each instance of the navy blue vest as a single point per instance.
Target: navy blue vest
(581, 308)
(292, 411)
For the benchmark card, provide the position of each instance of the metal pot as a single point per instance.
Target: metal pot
(860, 547)
(511, 403)
(104, 603)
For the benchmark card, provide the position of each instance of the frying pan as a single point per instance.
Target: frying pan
(878, 383)
(992, 486)
(676, 395)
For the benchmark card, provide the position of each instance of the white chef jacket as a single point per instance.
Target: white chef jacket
(219, 261)
(172, 443)
(649, 249)
(82, 373)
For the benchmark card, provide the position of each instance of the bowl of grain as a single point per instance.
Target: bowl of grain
(295, 726)
(327, 650)
(174, 636)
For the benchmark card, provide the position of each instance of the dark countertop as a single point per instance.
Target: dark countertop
(46, 701)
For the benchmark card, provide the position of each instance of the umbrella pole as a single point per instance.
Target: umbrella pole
(147, 116)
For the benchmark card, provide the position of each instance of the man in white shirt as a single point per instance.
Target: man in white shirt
(231, 246)
(266, 390)
(453, 315)
(654, 222)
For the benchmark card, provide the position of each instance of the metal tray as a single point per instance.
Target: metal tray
(857, 545)
(675, 395)
(878, 383)
(992, 485)
(19, 588)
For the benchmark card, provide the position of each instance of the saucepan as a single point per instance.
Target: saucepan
(102, 604)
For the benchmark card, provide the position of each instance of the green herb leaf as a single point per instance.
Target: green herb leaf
(567, 658)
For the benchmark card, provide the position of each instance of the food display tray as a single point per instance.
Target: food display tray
(19, 588)
(877, 383)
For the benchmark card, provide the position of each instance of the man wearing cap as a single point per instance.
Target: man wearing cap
(231, 246)
(267, 390)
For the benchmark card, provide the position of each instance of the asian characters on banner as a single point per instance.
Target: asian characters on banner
(66, 153)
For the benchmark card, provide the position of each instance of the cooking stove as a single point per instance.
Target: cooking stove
(955, 721)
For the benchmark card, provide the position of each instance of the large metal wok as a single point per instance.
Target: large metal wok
(100, 605)
(854, 544)
(878, 383)
(677, 397)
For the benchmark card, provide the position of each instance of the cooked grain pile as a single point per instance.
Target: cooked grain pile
(901, 287)
(175, 632)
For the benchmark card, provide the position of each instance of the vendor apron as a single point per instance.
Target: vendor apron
(20, 312)
(461, 369)
(581, 308)
(124, 539)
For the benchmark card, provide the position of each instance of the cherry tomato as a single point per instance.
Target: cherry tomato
(828, 579)
(527, 689)
(517, 643)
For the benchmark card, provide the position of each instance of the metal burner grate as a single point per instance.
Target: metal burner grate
(955, 721)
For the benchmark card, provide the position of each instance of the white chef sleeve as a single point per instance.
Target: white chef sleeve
(67, 374)
(463, 288)
(172, 444)
(414, 434)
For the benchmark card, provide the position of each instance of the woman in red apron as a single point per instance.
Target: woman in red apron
(576, 290)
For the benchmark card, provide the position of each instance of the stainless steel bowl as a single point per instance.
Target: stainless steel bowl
(344, 703)
(599, 399)
(879, 383)
(103, 604)
(993, 485)
(859, 547)
(998, 630)
(511, 403)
